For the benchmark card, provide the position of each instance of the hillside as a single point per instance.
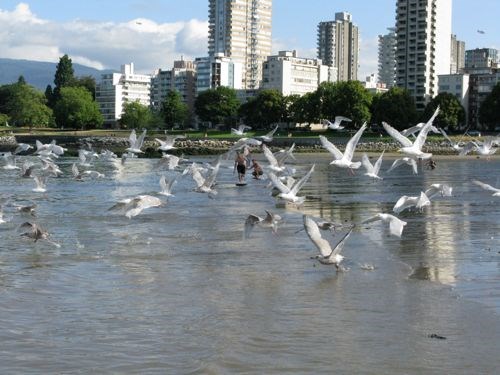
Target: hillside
(39, 74)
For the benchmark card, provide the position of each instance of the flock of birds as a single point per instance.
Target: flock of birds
(42, 165)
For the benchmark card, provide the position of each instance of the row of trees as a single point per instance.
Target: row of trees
(71, 104)
(349, 99)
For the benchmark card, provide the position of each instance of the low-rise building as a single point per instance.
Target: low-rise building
(116, 89)
(457, 85)
(292, 75)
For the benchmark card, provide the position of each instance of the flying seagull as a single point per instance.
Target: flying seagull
(269, 136)
(372, 170)
(496, 191)
(336, 124)
(270, 221)
(344, 160)
(327, 255)
(396, 225)
(290, 193)
(35, 232)
(241, 130)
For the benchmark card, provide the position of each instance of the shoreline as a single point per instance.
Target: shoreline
(210, 146)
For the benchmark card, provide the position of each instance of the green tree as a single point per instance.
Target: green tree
(489, 112)
(136, 116)
(451, 114)
(4, 119)
(396, 107)
(85, 81)
(76, 109)
(349, 99)
(306, 109)
(64, 77)
(217, 106)
(24, 105)
(267, 108)
(173, 110)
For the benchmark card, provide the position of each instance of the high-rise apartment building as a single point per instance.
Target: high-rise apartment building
(241, 30)
(387, 58)
(457, 63)
(338, 45)
(423, 29)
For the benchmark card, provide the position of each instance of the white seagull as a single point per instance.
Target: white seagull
(270, 221)
(22, 147)
(290, 193)
(168, 143)
(396, 225)
(134, 206)
(406, 160)
(344, 160)
(241, 130)
(136, 142)
(438, 189)
(412, 148)
(41, 183)
(372, 170)
(327, 255)
(274, 164)
(269, 136)
(166, 186)
(496, 192)
(406, 202)
(336, 124)
(10, 161)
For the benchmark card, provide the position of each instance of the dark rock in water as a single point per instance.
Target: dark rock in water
(436, 336)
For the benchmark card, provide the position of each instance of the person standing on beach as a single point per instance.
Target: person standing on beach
(240, 166)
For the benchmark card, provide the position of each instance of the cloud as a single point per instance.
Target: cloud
(102, 45)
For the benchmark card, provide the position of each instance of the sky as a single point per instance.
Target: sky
(104, 34)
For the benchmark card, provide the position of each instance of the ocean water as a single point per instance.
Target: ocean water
(177, 289)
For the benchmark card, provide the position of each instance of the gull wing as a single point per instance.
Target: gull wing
(403, 203)
(397, 135)
(372, 219)
(395, 225)
(422, 136)
(485, 186)
(423, 200)
(74, 170)
(277, 183)
(378, 163)
(446, 136)
(140, 140)
(132, 138)
(342, 118)
(271, 133)
(413, 129)
(330, 147)
(314, 234)
(298, 185)
(250, 223)
(340, 246)
(351, 145)
(270, 156)
(198, 178)
(367, 164)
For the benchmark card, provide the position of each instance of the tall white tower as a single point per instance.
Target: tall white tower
(241, 30)
(423, 29)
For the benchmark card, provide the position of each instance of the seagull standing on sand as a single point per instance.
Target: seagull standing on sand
(396, 225)
(327, 255)
(344, 160)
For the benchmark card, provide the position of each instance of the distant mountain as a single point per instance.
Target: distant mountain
(40, 74)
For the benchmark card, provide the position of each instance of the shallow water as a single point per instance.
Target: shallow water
(177, 290)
